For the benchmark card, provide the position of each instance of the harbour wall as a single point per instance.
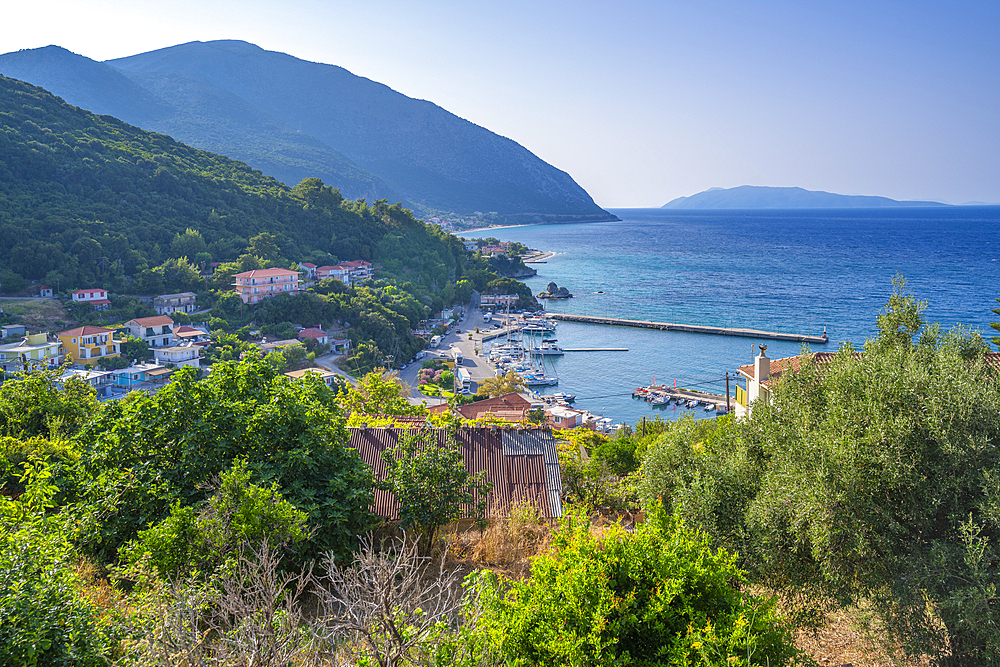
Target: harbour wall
(693, 328)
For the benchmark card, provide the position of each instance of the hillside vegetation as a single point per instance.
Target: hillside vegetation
(295, 119)
(91, 200)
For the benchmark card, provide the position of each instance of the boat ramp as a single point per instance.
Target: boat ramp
(693, 328)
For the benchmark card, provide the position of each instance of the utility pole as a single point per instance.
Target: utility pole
(727, 392)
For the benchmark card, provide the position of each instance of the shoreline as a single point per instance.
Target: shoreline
(537, 257)
(486, 229)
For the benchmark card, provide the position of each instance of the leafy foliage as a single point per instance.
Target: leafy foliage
(431, 484)
(873, 477)
(44, 617)
(239, 514)
(146, 453)
(510, 383)
(660, 596)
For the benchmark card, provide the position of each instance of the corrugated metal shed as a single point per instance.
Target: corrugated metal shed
(516, 463)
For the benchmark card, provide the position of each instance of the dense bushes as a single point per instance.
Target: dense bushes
(146, 453)
(661, 596)
(873, 478)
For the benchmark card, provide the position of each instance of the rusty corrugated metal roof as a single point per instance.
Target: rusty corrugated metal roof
(516, 475)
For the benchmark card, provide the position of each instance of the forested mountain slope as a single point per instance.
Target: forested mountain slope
(199, 113)
(89, 198)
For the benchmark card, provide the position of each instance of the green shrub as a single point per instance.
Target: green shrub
(148, 452)
(239, 513)
(45, 619)
(660, 596)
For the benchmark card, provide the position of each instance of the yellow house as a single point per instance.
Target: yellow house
(85, 345)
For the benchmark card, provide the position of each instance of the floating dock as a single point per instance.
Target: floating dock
(693, 328)
(595, 349)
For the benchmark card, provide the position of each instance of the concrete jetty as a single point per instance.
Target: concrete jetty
(595, 349)
(693, 328)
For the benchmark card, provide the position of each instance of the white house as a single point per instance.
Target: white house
(165, 304)
(187, 354)
(95, 296)
(35, 351)
(156, 331)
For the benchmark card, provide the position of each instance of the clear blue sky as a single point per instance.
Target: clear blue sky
(640, 101)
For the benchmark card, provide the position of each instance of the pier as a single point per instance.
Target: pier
(595, 349)
(693, 328)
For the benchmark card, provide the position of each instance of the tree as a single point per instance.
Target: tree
(35, 404)
(188, 244)
(148, 452)
(380, 392)
(510, 383)
(430, 483)
(238, 515)
(586, 479)
(265, 246)
(659, 596)
(867, 478)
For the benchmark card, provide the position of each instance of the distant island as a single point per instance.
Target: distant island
(755, 197)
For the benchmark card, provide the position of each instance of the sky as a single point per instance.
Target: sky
(639, 101)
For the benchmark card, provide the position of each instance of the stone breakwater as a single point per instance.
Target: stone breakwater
(694, 328)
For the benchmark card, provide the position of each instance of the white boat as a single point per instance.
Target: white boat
(540, 380)
(547, 349)
(710, 407)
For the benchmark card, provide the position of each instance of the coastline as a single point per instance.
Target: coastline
(537, 257)
(486, 229)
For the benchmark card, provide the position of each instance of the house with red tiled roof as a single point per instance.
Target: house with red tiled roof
(157, 331)
(259, 284)
(316, 334)
(511, 408)
(761, 375)
(85, 345)
(95, 296)
(309, 269)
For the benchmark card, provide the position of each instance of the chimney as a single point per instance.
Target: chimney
(762, 365)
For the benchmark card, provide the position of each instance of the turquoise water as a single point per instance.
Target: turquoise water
(788, 271)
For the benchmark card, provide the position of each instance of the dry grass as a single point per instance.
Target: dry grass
(37, 313)
(844, 641)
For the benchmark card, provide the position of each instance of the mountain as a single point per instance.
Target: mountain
(757, 197)
(90, 200)
(292, 119)
(197, 113)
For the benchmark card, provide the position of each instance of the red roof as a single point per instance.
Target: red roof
(510, 407)
(85, 331)
(98, 302)
(308, 265)
(313, 332)
(152, 321)
(266, 273)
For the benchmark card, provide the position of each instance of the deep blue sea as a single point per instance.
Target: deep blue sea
(788, 271)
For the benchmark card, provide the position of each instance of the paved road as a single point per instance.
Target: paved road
(476, 365)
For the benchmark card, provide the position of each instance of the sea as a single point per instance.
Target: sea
(789, 271)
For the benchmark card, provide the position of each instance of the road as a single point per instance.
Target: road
(473, 363)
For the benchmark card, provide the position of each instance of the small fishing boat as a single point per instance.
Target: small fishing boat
(710, 407)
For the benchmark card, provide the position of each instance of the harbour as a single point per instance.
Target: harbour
(693, 328)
